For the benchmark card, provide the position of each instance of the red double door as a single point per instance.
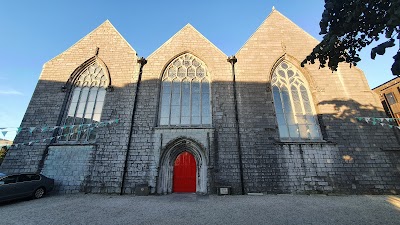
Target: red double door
(184, 173)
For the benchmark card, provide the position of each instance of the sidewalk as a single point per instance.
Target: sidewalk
(194, 209)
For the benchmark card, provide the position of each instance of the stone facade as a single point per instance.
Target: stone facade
(241, 148)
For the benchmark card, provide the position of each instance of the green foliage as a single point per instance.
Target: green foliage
(350, 25)
(3, 152)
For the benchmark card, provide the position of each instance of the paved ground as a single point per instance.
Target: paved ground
(193, 209)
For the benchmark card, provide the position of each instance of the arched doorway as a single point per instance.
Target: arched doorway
(173, 151)
(184, 178)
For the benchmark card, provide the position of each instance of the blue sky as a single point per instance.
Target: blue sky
(33, 32)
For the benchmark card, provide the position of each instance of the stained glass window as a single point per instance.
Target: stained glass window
(185, 93)
(293, 104)
(86, 104)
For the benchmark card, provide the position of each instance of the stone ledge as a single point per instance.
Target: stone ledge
(304, 142)
(390, 149)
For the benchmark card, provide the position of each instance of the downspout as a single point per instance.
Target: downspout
(232, 60)
(142, 62)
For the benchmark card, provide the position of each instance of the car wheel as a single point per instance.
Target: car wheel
(39, 193)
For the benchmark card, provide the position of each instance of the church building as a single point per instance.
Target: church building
(189, 118)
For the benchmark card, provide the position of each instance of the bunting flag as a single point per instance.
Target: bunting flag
(31, 129)
(52, 128)
(377, 119)
(89, 127)
(380, 121)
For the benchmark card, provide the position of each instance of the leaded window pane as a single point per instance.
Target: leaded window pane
(205, 104)
(294, 111)
(96, 117)
(314, 131)
(166, 101)
(293, 131)
(82, 102)
(164, 120)
(281, 118)
(98, 107)
(75, 95)
(303, 131)
(283, 131)
(206, 120)
(277, 100)
(185, 102)
(72, 108)
(89, 110)
(101, 95)
(185, 94)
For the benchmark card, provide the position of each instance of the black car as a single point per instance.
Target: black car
(15, 186)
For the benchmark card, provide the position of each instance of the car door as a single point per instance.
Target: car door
(8, 188)
(24, 185)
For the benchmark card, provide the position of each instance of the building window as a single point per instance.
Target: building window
(293, 105)
(185, 93)
(86, 104)
(390, 98)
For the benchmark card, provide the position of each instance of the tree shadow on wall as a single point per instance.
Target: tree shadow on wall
(370, 152)
(343, 125)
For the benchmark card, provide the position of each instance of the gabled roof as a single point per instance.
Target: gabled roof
(274, 15)
(190, 29)
(107, 25)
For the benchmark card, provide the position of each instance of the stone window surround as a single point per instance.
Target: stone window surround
(279, 81)
(93, 74)
(191, 74)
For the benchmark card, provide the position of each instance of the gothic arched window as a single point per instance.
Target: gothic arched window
(86, 104)
(185, 93)
(293, 104)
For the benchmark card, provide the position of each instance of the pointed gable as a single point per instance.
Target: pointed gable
(276, 36)
(113, 50)
(95, 39)
(187, 38)
(278, 31)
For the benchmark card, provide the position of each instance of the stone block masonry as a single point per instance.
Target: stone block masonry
(241, 148)
(70, 167)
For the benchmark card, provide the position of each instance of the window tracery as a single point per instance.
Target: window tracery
(185, 93)
(86, 104)
(293, 104)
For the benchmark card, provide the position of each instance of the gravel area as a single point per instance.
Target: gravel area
(195, 209)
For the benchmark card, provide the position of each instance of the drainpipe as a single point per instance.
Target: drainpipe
(142, 62)
(232, 60)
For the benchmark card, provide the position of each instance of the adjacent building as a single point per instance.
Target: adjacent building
(389, 93)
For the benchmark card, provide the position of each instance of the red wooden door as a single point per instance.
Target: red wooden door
(184, 173)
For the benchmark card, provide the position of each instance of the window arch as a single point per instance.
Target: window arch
(185, 93)
(86, 103)
(293, 104)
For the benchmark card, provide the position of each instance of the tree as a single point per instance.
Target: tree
(3, 152)
(350, 25)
